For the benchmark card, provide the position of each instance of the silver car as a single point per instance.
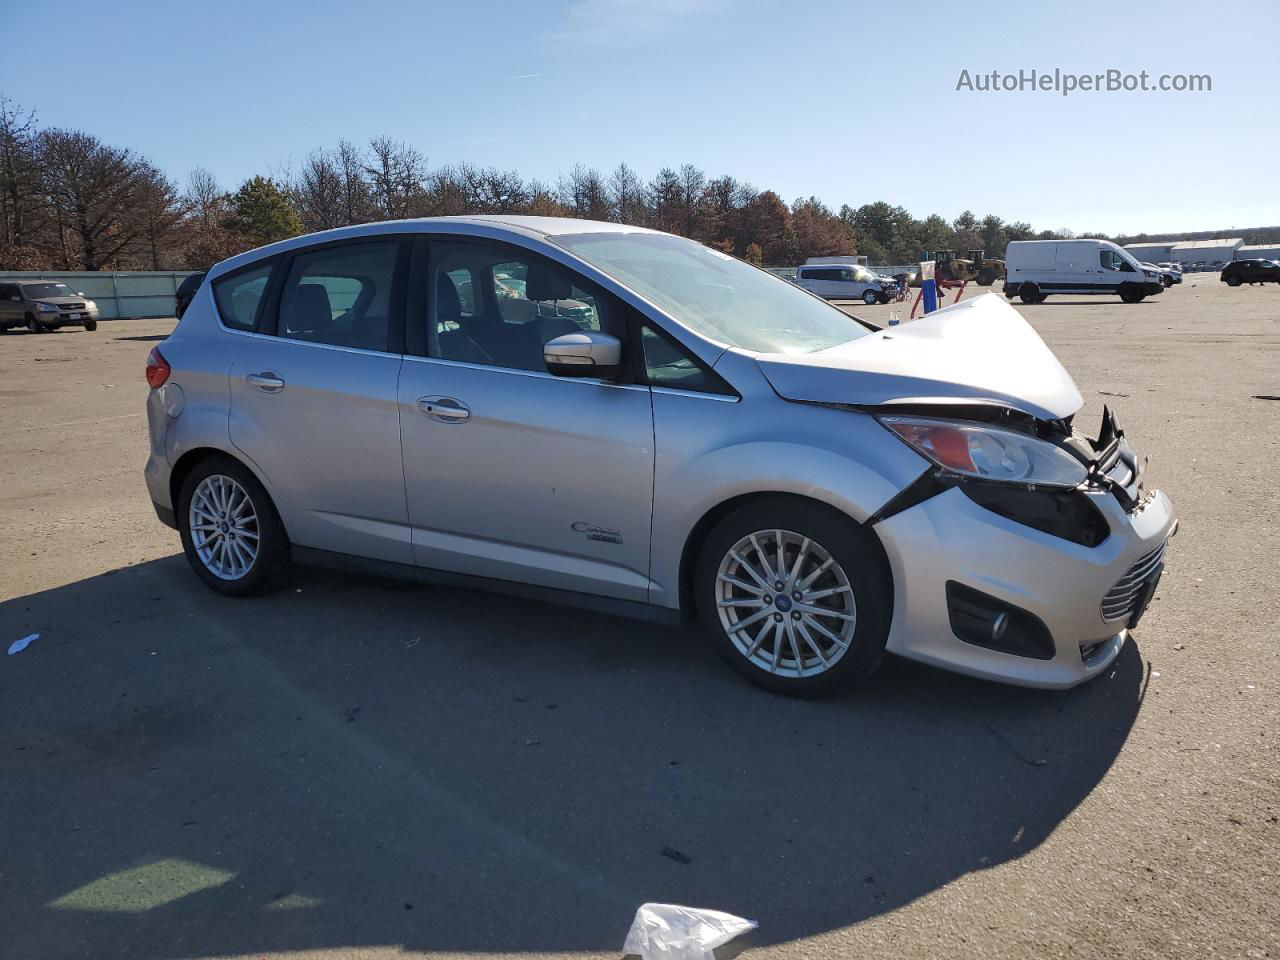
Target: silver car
(615, 417)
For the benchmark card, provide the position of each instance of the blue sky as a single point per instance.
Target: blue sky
(823, 99)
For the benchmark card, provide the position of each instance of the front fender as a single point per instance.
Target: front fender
(711, 450)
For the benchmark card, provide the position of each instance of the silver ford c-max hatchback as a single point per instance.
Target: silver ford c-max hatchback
(602, 414)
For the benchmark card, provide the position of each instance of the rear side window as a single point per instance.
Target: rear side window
(341, 295)
(239, 295)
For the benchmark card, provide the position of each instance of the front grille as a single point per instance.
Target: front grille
(68, 307)
(1119, 602)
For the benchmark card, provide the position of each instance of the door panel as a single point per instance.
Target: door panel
(546, 481)
(510, 472)
(328, 442)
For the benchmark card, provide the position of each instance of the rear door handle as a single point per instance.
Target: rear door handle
(266, 381)
(444, 409)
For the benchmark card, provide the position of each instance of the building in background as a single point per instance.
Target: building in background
(1150, 252)
(1259, 250)
(1212, 253)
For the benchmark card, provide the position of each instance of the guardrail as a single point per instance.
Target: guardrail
(127, 293)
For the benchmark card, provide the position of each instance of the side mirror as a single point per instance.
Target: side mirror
(584, 354)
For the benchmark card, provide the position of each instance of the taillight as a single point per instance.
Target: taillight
(157, 368)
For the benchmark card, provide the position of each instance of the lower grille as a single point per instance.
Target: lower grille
(1119, 602)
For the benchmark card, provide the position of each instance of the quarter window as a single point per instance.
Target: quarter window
(667, 364)
(496, 306)
(239, 295)
(341, 296)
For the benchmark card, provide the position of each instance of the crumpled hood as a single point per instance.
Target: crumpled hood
(976, 351)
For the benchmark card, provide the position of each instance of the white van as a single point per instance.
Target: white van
(1037, 268)
(835, 281)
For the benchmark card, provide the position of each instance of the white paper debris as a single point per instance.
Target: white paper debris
(19, 645)
(664, 931)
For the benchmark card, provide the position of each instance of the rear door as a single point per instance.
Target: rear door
(313, 397)
(512, 473)
(10, 304)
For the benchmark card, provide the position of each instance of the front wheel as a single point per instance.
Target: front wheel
(870, 297)
(1130, 293)
(231, 532)
(33, 324)
(795, 595)
(91, 325)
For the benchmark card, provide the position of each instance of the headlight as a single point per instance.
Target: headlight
(46, 307)
(989, 453)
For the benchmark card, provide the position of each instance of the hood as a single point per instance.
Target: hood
(976, 351)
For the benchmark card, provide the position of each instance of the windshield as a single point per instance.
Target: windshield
(36, 291)
(716, 295)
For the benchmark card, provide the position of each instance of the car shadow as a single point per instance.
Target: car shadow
(156, 338)
(351, 762)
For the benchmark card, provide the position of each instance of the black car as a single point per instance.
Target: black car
(1250, 271)
(186, 293)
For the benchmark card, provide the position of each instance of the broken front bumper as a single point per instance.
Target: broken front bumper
(950, 541)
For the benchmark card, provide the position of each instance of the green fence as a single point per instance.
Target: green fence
(132, 293)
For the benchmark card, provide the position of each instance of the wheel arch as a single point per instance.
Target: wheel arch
(698, 534)
(192, 458)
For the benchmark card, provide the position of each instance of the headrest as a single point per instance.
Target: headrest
(547, 283)
(310, 306)
(448, 303)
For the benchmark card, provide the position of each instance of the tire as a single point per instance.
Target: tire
(91, 325)
(33, 324)
(226, 570)
(1167, 281)
(1030, 293)
(1130, 293)
(857, 584)
(1233, 281)
(870, 297)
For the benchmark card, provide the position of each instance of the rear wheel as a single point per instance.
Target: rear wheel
(795, 595)
(231, 532)
(1233, 281)
(1030, 293)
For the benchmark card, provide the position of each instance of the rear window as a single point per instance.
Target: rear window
(239, 296)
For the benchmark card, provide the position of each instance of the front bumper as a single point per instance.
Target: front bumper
(951, 538)
(1152, 287)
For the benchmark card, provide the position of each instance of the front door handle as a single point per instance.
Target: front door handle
(444, 409)
(266, 381)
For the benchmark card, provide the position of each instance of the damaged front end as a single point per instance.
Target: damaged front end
(1061, 503)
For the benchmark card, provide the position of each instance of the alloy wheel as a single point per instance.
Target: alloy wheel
(785, 603)
(225, 531)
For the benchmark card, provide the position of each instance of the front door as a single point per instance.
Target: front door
(313, 399)
(512, 473)
(11, 311)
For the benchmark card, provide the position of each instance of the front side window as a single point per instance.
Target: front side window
(341, 296)
(498, 305)
(716, 295)
(239, 295)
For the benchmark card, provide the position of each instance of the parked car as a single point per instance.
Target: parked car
(707, 441)
(1175, 269)
(1166, 276)
(186, 293)
(846, 282)
(1038, 268)
(1250, 271)
(44, 305)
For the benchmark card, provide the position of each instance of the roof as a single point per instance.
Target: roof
(1206, 244)
(535, 226)
(1258, 247)
(1148, 246)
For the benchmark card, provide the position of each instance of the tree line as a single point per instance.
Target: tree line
(69, 201)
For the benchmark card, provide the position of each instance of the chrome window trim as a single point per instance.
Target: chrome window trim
(517, 371)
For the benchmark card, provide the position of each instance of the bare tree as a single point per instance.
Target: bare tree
(94, 190)
(160, 211)
(398, 175)
(22, 208)
(627, 197)
(583, 193)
